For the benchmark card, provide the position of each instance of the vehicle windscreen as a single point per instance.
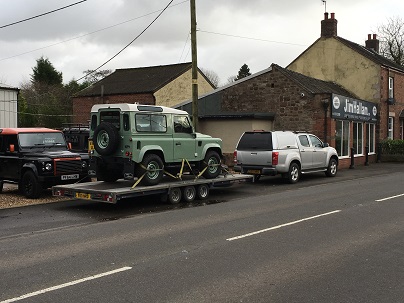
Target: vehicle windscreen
(30, 140)
(255, 141)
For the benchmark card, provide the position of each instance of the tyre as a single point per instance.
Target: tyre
(294, 173)
(212, 165)
(106, 139)
(30, 186)
(332, 168)
(174, 196)
(202, 192)
(188, 193)
(151, 170)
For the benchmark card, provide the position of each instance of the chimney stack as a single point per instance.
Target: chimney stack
(329, 26)
(372, 43)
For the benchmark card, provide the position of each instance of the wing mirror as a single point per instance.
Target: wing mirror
(326, 145)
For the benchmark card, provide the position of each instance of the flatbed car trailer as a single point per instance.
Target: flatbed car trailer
(171, 190)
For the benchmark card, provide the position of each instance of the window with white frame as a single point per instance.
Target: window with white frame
(358, 138)
(391, 87)
(370, 138)
(342, 138)
(391, 124)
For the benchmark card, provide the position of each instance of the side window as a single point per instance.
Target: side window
(316, 142)
(182, 125)
(151, 123)
(126, 125)
(93, 122)
(304, 141)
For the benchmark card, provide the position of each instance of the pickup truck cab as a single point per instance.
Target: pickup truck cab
(284, 152)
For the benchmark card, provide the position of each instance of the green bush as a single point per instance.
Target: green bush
(392, 147)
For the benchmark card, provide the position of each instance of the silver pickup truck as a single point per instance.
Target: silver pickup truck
(284, 152)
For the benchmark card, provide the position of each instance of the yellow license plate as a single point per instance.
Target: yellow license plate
(90, 145)
(83, 196)
(254, 171)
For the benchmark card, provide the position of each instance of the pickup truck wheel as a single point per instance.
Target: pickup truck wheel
(332, 168)
(294, 173)
(30, 186)
(202, 192)
(174, 195)
(106, 139)
(188, 193)
(152, 169)
(212, 164)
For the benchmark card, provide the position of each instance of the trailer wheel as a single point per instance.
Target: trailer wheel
(202, 192)
(174, 195)
(189, 193)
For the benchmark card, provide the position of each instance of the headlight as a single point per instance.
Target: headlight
(48, 166)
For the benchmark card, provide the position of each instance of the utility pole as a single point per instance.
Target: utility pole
(194, 67)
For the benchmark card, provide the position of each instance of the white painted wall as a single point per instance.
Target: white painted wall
(8, 107)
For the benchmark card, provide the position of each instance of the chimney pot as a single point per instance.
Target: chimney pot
(325, 16)
(332, 15)
(369, 36)
(374, 36)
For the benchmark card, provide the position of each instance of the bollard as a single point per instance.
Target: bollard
(367, 155)
(352, 159)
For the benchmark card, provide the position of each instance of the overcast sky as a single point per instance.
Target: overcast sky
(86, 35)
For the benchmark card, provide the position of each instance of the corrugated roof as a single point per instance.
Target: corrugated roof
(136, 80)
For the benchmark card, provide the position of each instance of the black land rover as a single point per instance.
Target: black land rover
(38, 158)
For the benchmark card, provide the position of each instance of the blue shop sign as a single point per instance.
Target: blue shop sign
(344, 108)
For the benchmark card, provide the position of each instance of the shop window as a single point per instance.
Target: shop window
(342, 138)
(391, 124)
(358, 138)
(370, 138)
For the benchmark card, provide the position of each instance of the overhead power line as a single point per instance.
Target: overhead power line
(55, 10)
(249, 38)
(90, 33)
(114, 56)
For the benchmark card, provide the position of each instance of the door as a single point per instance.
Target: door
(184, 139)
(319, 152)
(306, 152)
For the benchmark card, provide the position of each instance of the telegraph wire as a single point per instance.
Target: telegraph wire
(114, 56)
(186, 42)
(249, 38)
(90, 33)
(55, 10)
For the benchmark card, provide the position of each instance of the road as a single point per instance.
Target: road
(321, 240)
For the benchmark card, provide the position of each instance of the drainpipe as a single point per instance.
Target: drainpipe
(325, 103)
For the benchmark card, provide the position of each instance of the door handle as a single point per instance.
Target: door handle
(177, 143)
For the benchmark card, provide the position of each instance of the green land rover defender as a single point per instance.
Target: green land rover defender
(144, 141)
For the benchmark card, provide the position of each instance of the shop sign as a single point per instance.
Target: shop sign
(344, 108)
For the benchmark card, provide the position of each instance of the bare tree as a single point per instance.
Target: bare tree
(212, 76)
(391, 36)
(231, 79)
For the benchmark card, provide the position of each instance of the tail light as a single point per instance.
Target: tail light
(275, 158)
(235, 156)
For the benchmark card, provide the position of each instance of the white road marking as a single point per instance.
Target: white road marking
(282, 225)
(32, 294)
(388, 198)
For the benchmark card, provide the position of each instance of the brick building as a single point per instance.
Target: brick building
(273, 99)
(165, 85)
(366, 73)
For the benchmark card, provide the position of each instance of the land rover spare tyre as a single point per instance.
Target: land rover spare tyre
(106, 139)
